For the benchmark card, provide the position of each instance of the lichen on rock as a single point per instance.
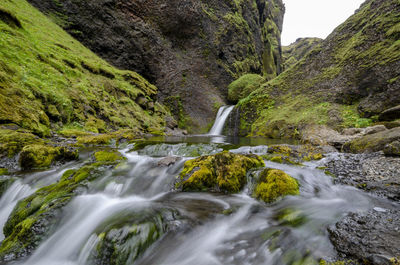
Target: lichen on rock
(222, 172)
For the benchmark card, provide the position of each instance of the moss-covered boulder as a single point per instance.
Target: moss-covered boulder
(34, 217)
(292, 154)
(13, 140)
(243, 86)
(273, 184)
(123, 238)
(42, 156)
(108, 156)
(222, 172)
(385, 140)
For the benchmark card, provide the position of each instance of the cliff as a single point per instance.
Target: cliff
(191, 50)
(350, 80)
(50, 82)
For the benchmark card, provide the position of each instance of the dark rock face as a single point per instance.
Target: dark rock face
(190, 49)
(373, 237)
(371, 172)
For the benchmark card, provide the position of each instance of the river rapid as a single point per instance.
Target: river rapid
(198, 228)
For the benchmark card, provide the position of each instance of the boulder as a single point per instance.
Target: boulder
(274, 184)
(390, 114)
(372, 237)
(222, 172)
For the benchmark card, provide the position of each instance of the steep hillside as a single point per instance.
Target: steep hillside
(297, 50)
(348, 80)
(49, 81)
(191, 50)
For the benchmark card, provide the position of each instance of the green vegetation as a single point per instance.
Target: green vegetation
(296, 51)
(243, 87)
(12, 141)
(48, 80)
(292, 154)
(274, 184)
(223, 172)
(330, 82)
(42, 156)
(107, 156)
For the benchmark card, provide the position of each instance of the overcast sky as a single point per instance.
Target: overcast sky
(315, 18)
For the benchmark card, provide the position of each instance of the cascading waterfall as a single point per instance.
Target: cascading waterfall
(220, 120)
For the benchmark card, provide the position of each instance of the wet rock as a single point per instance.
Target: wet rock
(371, 172)
(372, 142)
(223, 172)
(372, 237)
(123, 239)
(170, 160)
(392, 149)
(184, 149)
(34, 217)
(390, 114)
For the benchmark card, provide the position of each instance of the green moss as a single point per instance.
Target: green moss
(106, 156)
(175, 106)
(224, 172)
(243, 86)
(274, 184)
(41, 209)
(42, 156)
(291, 217)
(48, 79)
(102, 139)
(3, 171)
(12, 141)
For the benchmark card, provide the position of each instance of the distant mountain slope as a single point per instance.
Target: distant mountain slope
(347, 80)
(294, 52)
(48, 80)
(191, 50)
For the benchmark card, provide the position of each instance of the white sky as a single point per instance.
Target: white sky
(315, 18)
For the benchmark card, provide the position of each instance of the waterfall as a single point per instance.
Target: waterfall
(220, 120)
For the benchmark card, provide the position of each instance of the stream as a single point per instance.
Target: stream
(203, 228)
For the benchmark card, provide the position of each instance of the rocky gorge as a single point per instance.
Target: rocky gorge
(97, 165)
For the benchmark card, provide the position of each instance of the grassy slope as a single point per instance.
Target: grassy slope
(48, 80)
(305, 94)
(297, 50)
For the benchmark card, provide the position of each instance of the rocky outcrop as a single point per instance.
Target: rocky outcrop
(372, 238)
(346, 81)
(297, 50)
(371, 172)
(191, 50)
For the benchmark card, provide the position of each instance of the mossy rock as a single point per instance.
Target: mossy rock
(108, 156)
(293, 154)
(124, 237)
(3, 171)
(222, 172)
(274, 184)
(243, 86)
(375, 142)
(42, 156)
(12, 141)
(5, 183)
(291, 217)
(34, 217)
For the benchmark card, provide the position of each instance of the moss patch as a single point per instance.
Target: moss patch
(108, 156)
(223, 172)
(243, 86)
(273, 184)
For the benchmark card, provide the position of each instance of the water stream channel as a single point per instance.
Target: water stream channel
(199, 228)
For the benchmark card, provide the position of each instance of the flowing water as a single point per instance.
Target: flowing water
(220, 120)
(203, 228)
